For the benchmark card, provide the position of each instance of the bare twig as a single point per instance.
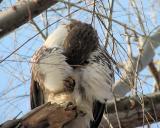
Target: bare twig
(109, 23)
(101, 15)
(38, 29)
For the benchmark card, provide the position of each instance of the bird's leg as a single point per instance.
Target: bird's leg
(81, 113)
(69, 84)
(70, 106)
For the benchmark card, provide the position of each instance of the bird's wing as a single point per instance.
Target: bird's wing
(49, 70)
(36, 91)
(98, 110)
(36, 94)
(100, 76)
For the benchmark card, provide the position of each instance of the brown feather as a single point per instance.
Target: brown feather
(36, 88)
(36, 94)
(80, 42)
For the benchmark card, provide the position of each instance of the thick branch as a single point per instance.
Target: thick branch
(45, 116)
(132, 111)
(22, 12)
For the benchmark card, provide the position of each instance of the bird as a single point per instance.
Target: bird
(72, 67)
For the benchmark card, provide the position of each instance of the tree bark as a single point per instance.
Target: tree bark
(46, 116)
(132, 112)
(22, 12)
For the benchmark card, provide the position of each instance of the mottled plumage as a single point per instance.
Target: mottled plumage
(71, 66)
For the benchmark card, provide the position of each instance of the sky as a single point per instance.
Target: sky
(15, 72)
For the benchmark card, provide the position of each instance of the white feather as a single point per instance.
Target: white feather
(56, 39)
(53, 65)
(55, 69)
(97, 78)
(97, 82)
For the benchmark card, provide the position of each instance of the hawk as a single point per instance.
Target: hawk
(72, 66)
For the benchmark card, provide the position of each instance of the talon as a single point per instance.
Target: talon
(69, 84)
(70, 106)
(81, 113)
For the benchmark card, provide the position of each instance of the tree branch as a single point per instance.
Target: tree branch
(148, 43)
(132, 112)
(46, 116)
(22, 12)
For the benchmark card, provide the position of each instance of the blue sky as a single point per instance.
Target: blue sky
(15, 71)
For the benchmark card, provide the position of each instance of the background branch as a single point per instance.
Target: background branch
(132, 111)
(22, 12)
(156, 75)
(147, 52)
(129, 109)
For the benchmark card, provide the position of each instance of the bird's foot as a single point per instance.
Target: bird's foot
(70, 106)
(69, 84)
(81, 113)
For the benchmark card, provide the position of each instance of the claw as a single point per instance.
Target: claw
(70, 106)
(81, 113)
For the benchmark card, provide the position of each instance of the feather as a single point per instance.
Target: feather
(98, 110)
(36, 94)
(82, 39)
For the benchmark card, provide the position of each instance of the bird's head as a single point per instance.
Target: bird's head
(77, 39)
(58, 36)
